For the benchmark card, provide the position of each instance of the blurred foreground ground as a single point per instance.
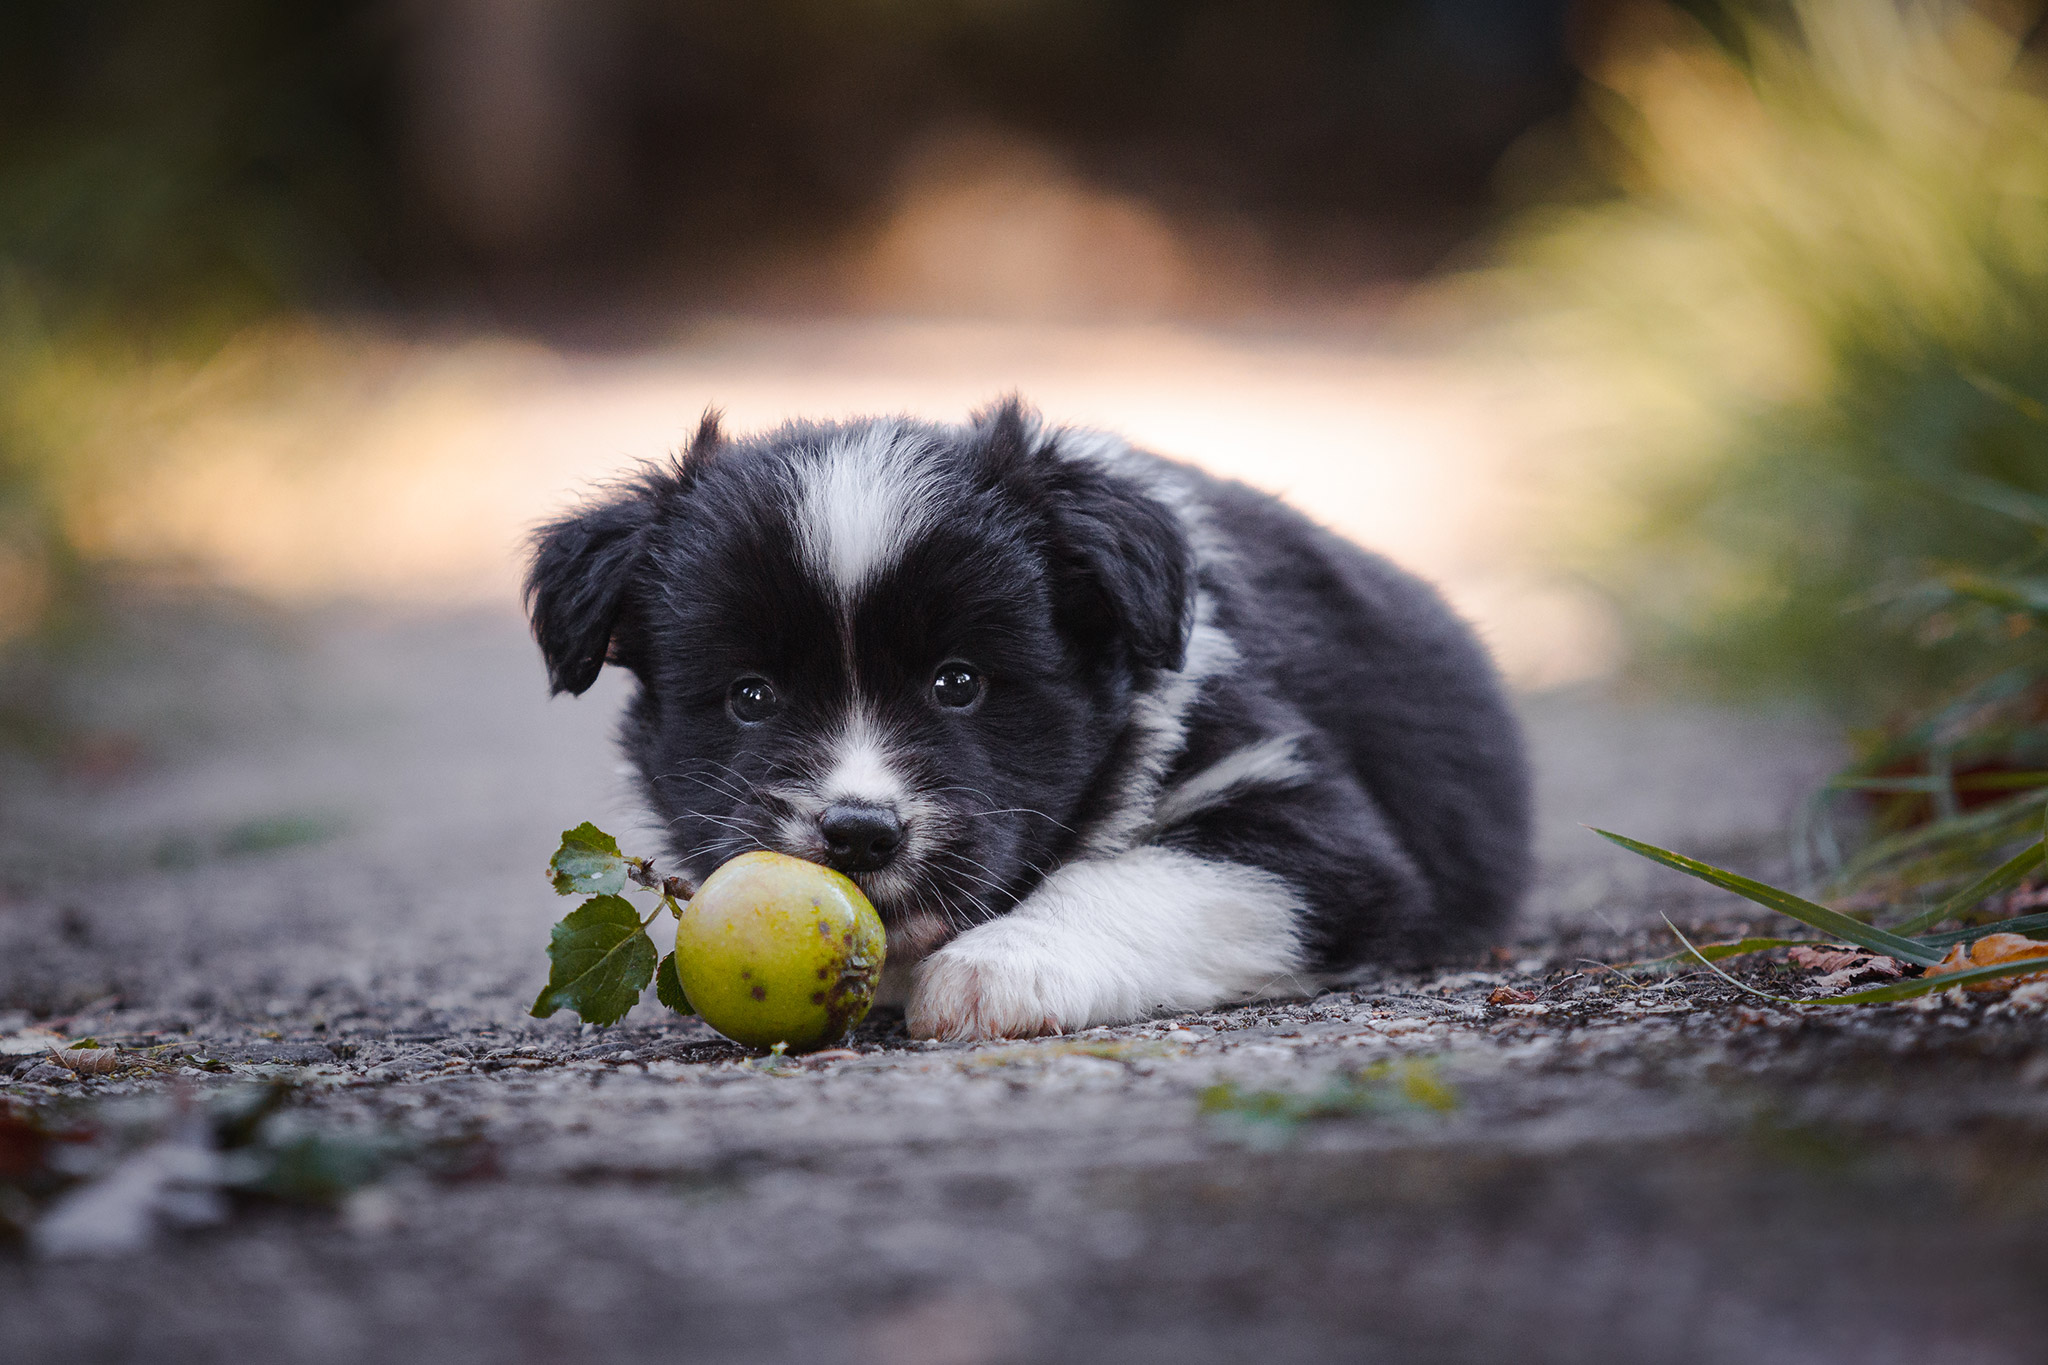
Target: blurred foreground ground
(1677, 1174)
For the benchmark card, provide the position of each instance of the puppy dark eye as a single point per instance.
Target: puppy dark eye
(752, 700)
(956, 684)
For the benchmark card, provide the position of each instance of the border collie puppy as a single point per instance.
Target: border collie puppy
(1099, 735)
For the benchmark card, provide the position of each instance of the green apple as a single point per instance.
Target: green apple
(773, 949)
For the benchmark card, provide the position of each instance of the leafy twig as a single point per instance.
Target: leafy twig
(600, 956)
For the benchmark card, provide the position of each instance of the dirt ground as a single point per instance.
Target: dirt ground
(319, 864)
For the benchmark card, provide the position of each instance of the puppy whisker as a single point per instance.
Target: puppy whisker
(989, 880)
(732, 846)
(747, 790)
(735, 826)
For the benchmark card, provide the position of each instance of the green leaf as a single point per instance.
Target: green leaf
(311, 1166)
(2009, 873)
(668, 987)
(602, 959)
(1785, 903)
(587, 863)
(1382, 1088)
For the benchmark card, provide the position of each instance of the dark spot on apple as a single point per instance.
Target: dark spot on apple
(759, 992)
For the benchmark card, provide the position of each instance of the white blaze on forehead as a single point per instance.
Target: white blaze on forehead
(861, 503)
(860, 770)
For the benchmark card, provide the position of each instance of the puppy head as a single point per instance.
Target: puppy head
(903, 650)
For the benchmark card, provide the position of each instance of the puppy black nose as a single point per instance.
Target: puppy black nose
(860, 838)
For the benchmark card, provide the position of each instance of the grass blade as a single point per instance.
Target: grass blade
(2003, 498)
(2009, 873)
(1970, 834)
(1721, 952)
(1927, 785)
(1877, 995)
(1972, 782)
(1708, 964)
(1785, 903)
(2009, 592)
(1994, 782)
(2024, 924)
(1928, 985)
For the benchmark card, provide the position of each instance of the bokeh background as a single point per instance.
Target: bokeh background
(1696, 347)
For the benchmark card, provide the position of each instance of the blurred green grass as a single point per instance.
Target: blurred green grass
(1806, 316)
(1809, 320)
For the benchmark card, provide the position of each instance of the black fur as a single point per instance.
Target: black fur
(1073, 582)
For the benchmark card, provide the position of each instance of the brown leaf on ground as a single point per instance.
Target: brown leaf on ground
(1508, 995)
(1828, 959)
(1846, 967)
(1860, 974)
(1989, 951)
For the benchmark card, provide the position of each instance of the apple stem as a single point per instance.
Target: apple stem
(672, 889)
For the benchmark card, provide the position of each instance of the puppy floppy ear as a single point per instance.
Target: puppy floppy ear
(576, 585)
(578, 582)
(1131, 562)
(1123, 569)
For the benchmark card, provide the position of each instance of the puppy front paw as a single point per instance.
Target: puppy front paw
(968, 991)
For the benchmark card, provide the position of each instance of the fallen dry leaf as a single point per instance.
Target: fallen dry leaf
(1827, 959)
(1989, 951)
(1846, 967)
(88, 1061)
(1508, 995)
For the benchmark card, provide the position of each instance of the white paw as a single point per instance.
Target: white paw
(1109, 941)
(985, 985)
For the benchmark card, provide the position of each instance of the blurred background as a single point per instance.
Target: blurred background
(1696, 347)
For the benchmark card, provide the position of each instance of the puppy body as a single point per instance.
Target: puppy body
(1101, 736)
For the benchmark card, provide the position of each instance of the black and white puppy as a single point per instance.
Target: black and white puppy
(1099, 735)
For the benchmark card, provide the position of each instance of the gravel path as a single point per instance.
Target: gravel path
(326, 875)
